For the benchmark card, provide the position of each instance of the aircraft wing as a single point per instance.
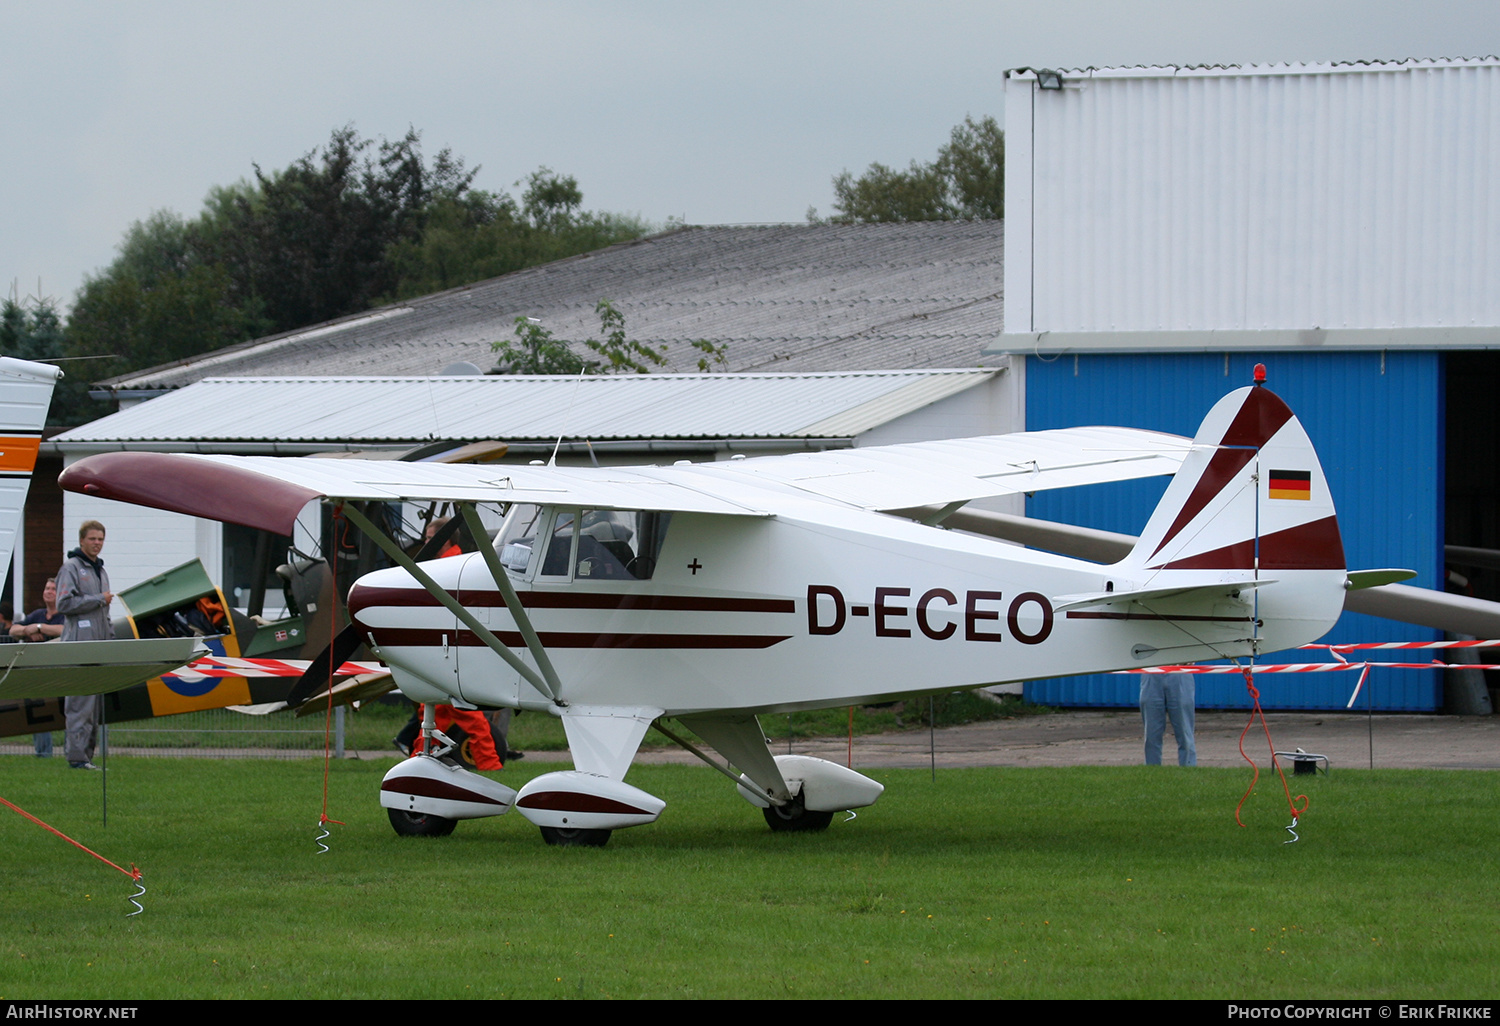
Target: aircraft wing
(268, 492)
(898, 477)
(59, 668)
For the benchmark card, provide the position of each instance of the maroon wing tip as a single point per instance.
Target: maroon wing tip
(199, 488)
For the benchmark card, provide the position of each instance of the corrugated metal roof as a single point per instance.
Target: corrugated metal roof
(389, 410)
(1274, 68)
(783, 297)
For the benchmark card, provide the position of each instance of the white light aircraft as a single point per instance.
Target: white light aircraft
(712, 593)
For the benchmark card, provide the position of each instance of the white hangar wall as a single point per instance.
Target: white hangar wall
(1355, 198)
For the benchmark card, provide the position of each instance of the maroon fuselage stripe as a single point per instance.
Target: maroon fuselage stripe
(419, 637)
(363, 596)
(1260, 416)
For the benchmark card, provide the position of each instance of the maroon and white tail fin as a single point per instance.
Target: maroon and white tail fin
(1251, 496)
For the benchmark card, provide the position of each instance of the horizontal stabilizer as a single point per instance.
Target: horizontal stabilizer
(1361, 579)
(60, 668)
(1209, 593)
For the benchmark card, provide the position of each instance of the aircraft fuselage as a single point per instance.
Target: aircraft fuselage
(769, 614)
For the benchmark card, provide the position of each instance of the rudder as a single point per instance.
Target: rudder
(1250, 496)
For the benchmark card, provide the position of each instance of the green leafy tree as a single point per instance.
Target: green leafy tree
(536, 351)
(33, 331)
(311, 242)
(715, 357)
(973, 165)
(551, 200)
(885, 194)
(159, 301)
(967, 181)
(484, 235)
(341, 229)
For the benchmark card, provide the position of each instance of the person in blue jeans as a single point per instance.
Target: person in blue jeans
(1167, 696)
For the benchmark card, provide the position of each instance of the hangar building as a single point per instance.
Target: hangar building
(1169, 227)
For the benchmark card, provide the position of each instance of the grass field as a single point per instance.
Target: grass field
(1086, 882)
(371, 727)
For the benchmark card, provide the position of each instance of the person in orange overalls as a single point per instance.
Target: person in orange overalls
(478, 747)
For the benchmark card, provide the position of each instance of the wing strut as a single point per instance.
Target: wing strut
(486, 548)
(390, 548)
(743, 781)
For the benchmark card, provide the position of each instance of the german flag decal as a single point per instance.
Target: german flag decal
(1291, 484)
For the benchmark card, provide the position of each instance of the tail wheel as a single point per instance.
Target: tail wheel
(796, 816)
(575, 837)
(420, 824)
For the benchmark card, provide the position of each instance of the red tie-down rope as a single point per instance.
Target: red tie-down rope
(1255, 712)
(333, 627)
(132, 872)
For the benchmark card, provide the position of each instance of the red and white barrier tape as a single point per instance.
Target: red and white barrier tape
(224, 666)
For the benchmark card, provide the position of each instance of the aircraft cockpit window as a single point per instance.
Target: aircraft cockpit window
(619, 545)
(560, 549)
(517, 538)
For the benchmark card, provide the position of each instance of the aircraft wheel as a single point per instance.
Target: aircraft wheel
(797, 817)
(575, 837)
(420, 824)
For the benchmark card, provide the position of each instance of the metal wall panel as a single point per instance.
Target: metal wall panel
(1377, 422)
(1280, 197)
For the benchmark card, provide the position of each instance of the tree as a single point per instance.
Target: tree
(160, 300)
(973, 164)
(341, 229)
(484, 235)
(966, 182)
(536, 351)
(550, 199)
(885, 194)
(31, 330)
(312, 241)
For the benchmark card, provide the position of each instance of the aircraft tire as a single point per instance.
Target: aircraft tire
(419, 824)
(794, 817)
(574, 837)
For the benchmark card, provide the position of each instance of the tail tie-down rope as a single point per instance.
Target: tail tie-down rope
(333, 629)
(1255, 711)
(132, 872)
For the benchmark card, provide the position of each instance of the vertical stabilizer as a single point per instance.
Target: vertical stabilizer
(25, 395)
(1250, 503)
(1250, 496)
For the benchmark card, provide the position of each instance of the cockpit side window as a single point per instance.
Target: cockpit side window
(619, 544)
(559, 555)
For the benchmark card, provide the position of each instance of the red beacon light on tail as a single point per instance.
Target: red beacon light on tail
(1260, 374)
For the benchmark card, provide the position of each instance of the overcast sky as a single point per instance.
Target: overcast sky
(710, 112)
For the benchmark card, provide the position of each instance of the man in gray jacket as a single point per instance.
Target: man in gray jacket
(83, 597)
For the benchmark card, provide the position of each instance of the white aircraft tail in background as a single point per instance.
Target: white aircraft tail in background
(25, 396)
(55, 669)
